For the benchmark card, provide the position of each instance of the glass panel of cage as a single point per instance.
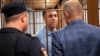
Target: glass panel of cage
(38, 10)
(36, 19)
(37, 7)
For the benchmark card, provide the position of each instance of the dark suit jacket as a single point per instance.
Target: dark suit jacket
(77, 39)
(25, 46)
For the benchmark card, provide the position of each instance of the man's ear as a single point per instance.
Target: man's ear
(66, 14)
(22, 18)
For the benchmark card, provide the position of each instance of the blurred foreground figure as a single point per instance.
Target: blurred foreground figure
(13, 41)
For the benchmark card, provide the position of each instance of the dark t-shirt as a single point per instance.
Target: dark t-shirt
(25, 46)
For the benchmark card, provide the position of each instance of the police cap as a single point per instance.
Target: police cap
(13, 8)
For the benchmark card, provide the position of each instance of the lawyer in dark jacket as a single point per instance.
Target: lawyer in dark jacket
(78, 38)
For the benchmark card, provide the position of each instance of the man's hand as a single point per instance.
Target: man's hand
(44, 52)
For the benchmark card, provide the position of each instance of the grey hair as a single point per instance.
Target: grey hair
(72, 6)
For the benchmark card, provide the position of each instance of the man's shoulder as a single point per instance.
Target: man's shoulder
(27, 37)
(93, 28)
(26, 43)
(25, 40)
(40, 33)
(42, 30)
(60, 31)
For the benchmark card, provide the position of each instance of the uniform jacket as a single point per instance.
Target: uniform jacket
(25, 46)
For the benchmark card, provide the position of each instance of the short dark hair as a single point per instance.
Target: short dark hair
(44, 12)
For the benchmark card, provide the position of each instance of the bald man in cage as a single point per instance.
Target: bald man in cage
(51, 18)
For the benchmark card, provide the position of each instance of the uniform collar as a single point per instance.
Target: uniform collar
(9, 30)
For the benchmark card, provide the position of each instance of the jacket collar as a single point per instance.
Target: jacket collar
(9, 30)
(76, 22)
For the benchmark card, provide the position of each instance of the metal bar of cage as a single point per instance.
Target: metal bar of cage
(33, 17)
(46, 26)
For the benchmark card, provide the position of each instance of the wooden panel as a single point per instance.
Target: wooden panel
(93, 17)
(95, 13)
(41, 3)
(7, 1)
(90, 13)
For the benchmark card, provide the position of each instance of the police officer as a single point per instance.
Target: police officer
(13, 41)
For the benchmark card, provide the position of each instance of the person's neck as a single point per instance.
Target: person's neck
(51, 29)
(74, 18)
(12, 25)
